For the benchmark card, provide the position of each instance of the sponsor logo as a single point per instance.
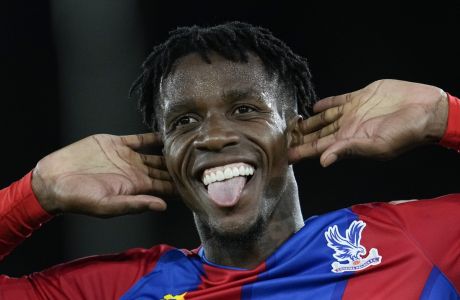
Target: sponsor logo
(171, 297)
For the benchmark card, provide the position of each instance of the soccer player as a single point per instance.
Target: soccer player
(234, 108)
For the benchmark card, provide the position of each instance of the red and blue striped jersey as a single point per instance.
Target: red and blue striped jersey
(405, 251)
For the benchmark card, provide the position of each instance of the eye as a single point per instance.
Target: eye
(184, 121)
(243, 109)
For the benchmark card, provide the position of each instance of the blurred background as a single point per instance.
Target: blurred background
(67, 67)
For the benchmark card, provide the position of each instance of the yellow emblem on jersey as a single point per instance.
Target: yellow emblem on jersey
(177, 297)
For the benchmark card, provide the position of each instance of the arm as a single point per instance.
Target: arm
(20, 214)
(102, 176)
(96, 277)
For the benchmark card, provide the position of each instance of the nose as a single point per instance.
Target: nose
(215, 135)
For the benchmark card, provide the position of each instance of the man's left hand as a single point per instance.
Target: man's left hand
(379, 121)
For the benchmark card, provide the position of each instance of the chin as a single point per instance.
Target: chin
(232, 229)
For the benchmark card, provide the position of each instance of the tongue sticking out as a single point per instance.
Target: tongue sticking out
(227, 192)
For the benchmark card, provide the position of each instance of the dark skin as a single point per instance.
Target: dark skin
(225, 112)
(232, 111)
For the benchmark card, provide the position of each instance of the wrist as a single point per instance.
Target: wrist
(438, 122)
(42, 192)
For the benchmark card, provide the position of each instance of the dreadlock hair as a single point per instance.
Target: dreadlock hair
(233, 41)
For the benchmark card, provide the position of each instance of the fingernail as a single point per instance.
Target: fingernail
(158, 206)
(330, 159)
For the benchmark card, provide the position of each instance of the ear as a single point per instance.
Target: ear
(294, 133)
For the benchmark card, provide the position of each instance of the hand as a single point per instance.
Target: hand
(380, 121)
(102, 175)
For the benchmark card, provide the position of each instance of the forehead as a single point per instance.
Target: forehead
(193, 78)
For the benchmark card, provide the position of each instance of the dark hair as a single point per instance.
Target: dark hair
(233, 41)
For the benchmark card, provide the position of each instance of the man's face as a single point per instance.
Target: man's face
(219, 116)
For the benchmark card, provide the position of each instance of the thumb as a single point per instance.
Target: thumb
(127, 204)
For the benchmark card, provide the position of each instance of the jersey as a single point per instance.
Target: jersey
(409, 250)
(372, 251)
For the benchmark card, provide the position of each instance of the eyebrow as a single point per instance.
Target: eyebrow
(241, 94)
(231, 96)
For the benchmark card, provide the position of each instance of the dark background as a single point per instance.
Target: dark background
(67, 66)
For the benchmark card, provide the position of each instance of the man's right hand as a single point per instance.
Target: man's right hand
(103, 176)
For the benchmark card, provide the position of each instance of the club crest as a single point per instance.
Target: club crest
(348, 249)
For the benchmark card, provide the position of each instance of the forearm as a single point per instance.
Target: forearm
(20, 214)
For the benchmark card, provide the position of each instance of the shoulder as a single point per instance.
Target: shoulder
(433, 212)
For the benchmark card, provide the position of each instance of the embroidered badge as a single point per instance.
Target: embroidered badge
(349, 249)
(177, 297)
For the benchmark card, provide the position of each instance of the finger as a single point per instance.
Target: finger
(154, 161)
(325, 131)
(138, 141)
(332, 101)
(311, 149)
(122, 205)
(159, 174)
(347, 148)
(320, 120)
(163, 187)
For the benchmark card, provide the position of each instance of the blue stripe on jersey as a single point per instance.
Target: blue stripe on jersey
(174, 273)
(438, 286)
(301, 267)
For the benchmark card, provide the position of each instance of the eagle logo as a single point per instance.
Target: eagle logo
(349, 249)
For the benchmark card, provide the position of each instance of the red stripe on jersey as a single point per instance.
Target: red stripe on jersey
(224, 284)
(404, 267)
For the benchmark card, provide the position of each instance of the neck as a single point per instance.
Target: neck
(252, 248)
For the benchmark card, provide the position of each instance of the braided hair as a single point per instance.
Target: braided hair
(233, 41)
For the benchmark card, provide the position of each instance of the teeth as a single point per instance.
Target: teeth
(220, 175)
(226, 172)
(235, 172)
(241, 170)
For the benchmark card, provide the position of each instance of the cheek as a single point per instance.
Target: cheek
(274, 140)
(278, 154)
(175, 152)
(172, 154)
(275, 148)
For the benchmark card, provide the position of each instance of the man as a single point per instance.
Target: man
(233, 107)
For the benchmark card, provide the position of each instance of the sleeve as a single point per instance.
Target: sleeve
(97, 277)
(20, 214)
(433, 224)
(451, 138)
(91, 278)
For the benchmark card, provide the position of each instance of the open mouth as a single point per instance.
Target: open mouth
(225, 183)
